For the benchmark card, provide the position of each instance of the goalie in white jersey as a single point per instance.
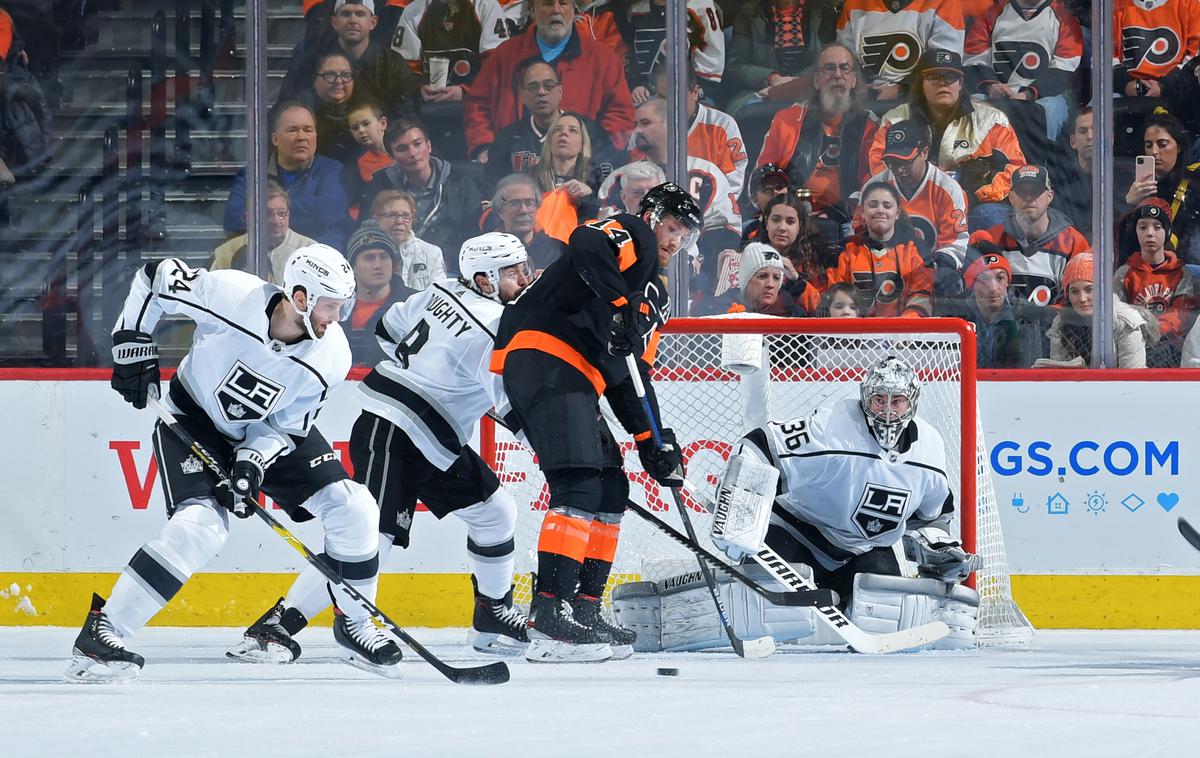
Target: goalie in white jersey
(421, 408)
(854, 479)
(262, 363)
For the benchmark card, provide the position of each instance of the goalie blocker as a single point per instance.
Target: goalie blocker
(676, 613)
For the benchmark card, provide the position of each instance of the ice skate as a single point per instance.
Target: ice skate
(99, 652)
(267, 640)
(556, 637)
(587, 611)
(366, 646)
(497, 627)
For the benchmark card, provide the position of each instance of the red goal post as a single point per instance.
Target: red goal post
(716, 378)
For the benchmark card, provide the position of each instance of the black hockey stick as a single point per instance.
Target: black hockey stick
(1189, 532)
(492, 673)
(816, 597)
(755, 648)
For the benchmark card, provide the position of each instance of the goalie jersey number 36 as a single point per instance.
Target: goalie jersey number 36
(835, 476)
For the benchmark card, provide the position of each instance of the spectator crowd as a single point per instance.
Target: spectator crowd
(852, 158)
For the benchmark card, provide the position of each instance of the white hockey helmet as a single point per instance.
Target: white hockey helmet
(320, 271)
(487, 254)
(890, 378)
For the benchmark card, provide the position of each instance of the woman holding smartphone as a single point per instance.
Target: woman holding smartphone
(1166, 144)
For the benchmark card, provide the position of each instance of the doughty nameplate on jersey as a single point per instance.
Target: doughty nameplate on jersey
(246, 395)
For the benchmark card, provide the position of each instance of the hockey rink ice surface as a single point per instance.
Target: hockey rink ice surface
(1069, 694)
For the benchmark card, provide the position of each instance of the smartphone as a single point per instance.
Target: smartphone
(1145, 167)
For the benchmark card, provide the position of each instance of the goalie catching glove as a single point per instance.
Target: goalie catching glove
(631, 324)
(665, 464)
(938, 555)
(245, 477)
(135, 366)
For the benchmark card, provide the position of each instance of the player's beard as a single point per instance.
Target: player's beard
(836, 102)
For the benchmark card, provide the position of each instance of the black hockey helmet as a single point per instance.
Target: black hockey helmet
(669, 199)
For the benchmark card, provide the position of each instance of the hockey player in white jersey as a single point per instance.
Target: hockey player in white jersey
(853, 479)
(420, 409)
(262, 363)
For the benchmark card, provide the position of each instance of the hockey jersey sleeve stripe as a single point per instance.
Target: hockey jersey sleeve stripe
(934, 469)
(818, 453)
(214, 314)
(531, 339)
(315, 373)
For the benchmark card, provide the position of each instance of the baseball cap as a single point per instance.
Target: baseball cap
(940, 60)
(905, 139)
(768, 172)
(985, 262)
(368, 4)
(1029, 179)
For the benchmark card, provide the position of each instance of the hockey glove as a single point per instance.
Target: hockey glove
(135, 366)
(245, 477)
(665, 464)
(630, 326)
(938, 555)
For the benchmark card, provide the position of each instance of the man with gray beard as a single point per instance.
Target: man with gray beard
(822, 144)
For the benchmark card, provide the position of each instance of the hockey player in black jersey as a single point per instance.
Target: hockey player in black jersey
(261, 365)
(560, 346)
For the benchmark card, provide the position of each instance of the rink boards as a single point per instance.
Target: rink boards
(1090, 477)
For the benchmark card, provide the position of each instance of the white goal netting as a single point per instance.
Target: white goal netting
(718, 378)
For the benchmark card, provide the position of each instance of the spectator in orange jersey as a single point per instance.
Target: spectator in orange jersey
(1155, 279)
(973, 139)
(824, 144)
(884, 263)
(592, 77)
(764, 286)
(841, 300)
(1036, 239)
(1152, 42)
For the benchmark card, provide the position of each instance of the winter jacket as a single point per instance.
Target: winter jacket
(315, 193)
(979, 144)
(1070, 337)
(1167, 290)
(225, 254)
(1037, 265)
(420, 263)
(447, 210)
(753, 54)
(593, 84)
(381, 71)
(1014, 340)
(891, 276)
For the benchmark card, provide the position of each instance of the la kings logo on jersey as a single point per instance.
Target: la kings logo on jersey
(880, 510)
(246, 395)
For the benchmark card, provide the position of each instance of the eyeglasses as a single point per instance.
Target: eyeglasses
(278, 215)
(942, 79)
(829, 69)
(532, 88)
(521, 202)
(333, 77)
(395, 216)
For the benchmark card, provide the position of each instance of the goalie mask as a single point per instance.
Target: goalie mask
(321, 272)
(889, 400)
(669, 199)
(487, 254)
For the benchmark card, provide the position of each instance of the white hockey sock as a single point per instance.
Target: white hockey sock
(308, 593)
(490, 548)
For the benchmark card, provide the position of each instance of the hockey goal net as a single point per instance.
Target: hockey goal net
(717, 378)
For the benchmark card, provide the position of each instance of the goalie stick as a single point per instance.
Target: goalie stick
(492, 673)
(788, 597)
(753, 648)
(859, 640)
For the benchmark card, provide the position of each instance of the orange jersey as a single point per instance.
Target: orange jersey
(889, 36)
(1166, 290)
(937, 209)
(715, 137)
(979, 131)
(1153, 38)
(892, 278)
(602, 27)
(836, 161)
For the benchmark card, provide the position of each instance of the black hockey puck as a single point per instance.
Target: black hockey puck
(667, 672)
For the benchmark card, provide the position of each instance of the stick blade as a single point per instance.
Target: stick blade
(492, 673)
(1189, 532)
(905, 639)
(761, 647)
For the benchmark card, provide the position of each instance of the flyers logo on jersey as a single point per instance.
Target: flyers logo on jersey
(1158, 47)
(880, 510)
(1028, 60)
(898, 51)
(246, 396)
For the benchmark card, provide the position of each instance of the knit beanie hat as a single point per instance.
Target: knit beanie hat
(987, 262)
(369, 236)
(1157, 209)
(756, 257)
(1078, 268)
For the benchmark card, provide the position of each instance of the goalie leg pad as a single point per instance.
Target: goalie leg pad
(677, 614)
(883, 604)
(743, 511)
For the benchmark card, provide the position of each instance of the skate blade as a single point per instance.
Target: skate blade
(554, 651)
(252, 651)
(387, 672)
(621, 652)
(84, 670)
(495, 644)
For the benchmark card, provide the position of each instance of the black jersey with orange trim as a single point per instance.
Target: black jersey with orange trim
(567, 312)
